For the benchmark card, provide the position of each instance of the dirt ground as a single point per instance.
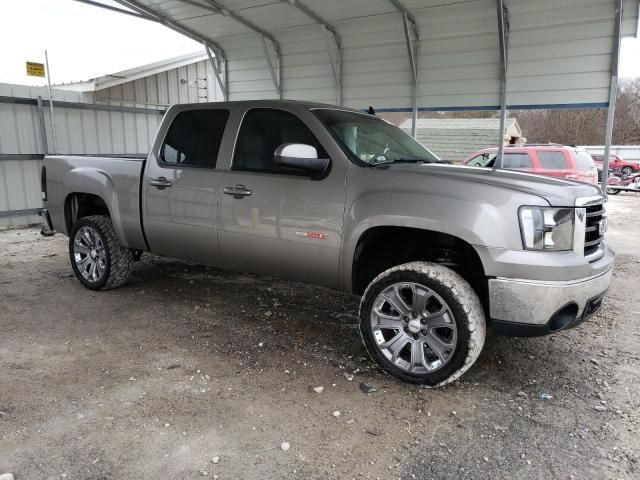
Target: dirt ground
(187, 363)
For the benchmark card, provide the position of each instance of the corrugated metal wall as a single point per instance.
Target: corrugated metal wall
(188, 84)
(87, 128)
(560, 52)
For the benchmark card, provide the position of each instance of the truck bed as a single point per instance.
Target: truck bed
(116, 180)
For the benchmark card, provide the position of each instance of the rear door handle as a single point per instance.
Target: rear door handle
(160, 183)
(238, 191)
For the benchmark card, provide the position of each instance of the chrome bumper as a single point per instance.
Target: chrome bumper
(535, 303)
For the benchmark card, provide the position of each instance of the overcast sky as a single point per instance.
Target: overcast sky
(85, 41)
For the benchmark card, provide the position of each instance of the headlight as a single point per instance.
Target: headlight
(546, 228)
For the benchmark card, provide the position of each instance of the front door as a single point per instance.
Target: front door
(181, 185)
(277, 220)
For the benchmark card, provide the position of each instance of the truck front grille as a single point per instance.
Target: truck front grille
(592, 236)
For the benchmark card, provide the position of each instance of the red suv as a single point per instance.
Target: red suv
(616, 163)
(545, 159)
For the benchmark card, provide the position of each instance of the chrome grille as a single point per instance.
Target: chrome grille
(592, 236)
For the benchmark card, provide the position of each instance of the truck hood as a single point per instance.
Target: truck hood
(557, 191)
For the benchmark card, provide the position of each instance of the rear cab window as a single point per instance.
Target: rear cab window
(194, 138)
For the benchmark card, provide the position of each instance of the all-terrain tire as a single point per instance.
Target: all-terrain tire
(464, 305)
(118, 260)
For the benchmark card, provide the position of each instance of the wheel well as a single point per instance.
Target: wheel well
(381, 248)
(78, 205)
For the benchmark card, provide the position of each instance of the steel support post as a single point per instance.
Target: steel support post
(276, 73)
(412, 40)
(503, 40)
(412, 50)
(187, 32)
(43, 127)
(336, 64)
(215, 65)
(613, 94)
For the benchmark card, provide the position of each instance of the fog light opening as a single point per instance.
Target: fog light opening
(563, 317)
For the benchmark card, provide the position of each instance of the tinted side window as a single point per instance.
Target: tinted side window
(194, 138)
(263, 131)
(482, 160)
(516, 160)
(552, 160)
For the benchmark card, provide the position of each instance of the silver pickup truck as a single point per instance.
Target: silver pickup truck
(339, 198)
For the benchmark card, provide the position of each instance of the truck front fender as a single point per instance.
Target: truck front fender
(476, 222)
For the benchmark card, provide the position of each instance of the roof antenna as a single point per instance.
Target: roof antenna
(371, 110)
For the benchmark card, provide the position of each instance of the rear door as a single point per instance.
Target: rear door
(518, 160)
(276, 220)
(181, 186)
(555, 163)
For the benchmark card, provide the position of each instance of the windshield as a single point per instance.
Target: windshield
(370, 141)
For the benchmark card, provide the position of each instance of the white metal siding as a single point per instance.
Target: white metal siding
(79, 131)
(187, 84)
(560, 52)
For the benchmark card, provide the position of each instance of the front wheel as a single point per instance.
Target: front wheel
(612, 191)
(423, 323)
(97, 259)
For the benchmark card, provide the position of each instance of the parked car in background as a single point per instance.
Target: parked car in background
(626, 167)
(545, 159)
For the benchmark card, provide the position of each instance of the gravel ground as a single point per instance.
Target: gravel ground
(188, 363)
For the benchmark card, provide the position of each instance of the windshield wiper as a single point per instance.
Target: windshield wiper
(402, 160)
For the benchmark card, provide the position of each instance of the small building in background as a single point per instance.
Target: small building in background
(453, 139)
(184, 79)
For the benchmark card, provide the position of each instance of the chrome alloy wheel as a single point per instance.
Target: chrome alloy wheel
(89, 254)
(413, 327)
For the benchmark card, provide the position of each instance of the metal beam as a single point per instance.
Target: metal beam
(116, 9)
(43, 128)
(613, 94)
(272, 69)
(215, 64)
(328, 28)
(413, 50)
(81, 106)
(187, 32)
(217, 7)
(503, 40)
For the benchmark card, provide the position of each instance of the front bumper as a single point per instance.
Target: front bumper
(530, 308)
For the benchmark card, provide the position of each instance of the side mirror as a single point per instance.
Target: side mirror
(299, 155)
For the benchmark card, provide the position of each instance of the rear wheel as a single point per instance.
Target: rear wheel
(423, 323)
(612, 191)
(97, 259)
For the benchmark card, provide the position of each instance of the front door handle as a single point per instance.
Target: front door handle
(160, 183)
(238, 191)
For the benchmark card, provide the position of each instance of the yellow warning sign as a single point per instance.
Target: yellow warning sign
(35, 69)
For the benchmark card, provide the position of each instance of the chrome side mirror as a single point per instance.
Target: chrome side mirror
(300, 155)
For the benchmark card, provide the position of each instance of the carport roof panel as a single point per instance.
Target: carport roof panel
(560, 52)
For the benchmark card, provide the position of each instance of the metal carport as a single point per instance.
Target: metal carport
(410, 55)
